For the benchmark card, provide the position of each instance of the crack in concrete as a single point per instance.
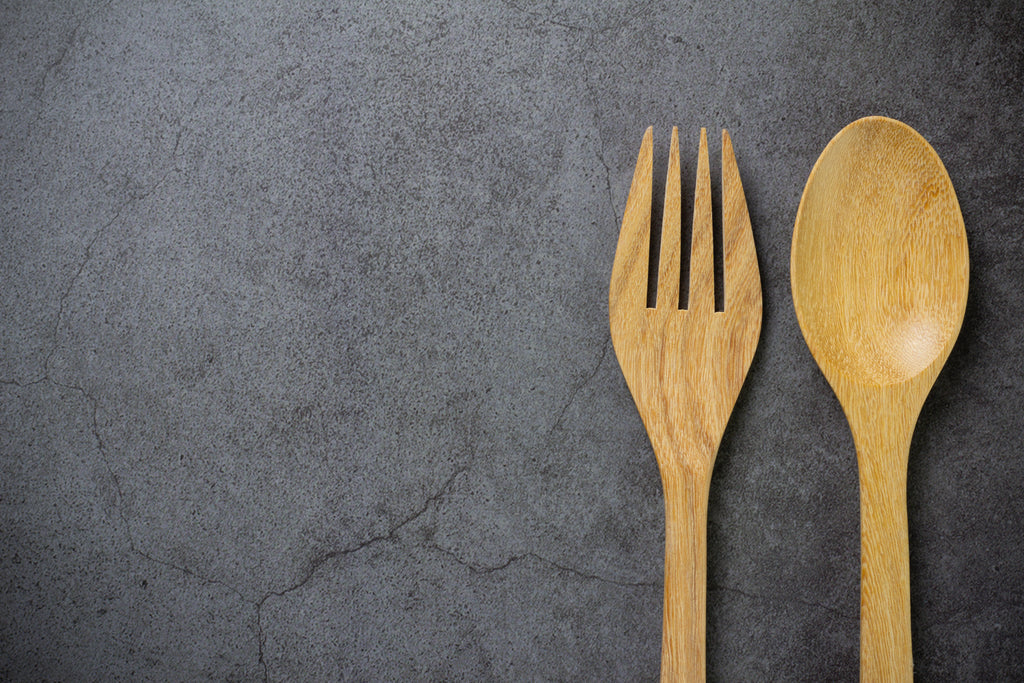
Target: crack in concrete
(132, 197)
(101, 447)
(87, 256)
(180, 127)
(586, 380)
(390, 535)
(545, 20)
(74, 279)
(488, 569)
(16, 383)
(189, 572)
(323, 559)
(597, 577)
(260, 640)
(105, 459)
(93, 402)
(62, 300)
(764, 598)
(55, 64)
(600, 151)
(607, 169)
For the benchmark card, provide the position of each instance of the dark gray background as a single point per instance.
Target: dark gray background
(306, 371)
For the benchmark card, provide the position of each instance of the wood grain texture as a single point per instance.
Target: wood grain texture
(685, 368)
(879, 269)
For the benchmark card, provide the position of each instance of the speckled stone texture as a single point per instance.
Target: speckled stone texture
(305, 371)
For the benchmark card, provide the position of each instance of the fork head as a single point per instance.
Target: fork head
(685, 366)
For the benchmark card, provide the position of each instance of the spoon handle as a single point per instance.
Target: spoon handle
(885, 649)
(684, 616)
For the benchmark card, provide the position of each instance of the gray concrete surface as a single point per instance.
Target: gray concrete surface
(304, 349)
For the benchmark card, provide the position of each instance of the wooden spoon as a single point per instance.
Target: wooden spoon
(879, 272)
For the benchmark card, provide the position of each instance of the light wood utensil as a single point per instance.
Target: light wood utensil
(685, 368)
(879, 272)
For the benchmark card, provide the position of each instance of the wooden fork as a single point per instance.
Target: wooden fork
(685, 368)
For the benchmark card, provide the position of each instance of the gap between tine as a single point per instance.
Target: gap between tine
(702, 265)
(668, 268)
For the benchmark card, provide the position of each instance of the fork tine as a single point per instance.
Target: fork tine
(702, 266)
(629, 271)
(668, 269)
(740, 259)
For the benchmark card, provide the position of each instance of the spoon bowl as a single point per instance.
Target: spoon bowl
(879, 267)
(879, 271)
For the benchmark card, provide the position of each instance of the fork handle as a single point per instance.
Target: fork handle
(684, 616)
